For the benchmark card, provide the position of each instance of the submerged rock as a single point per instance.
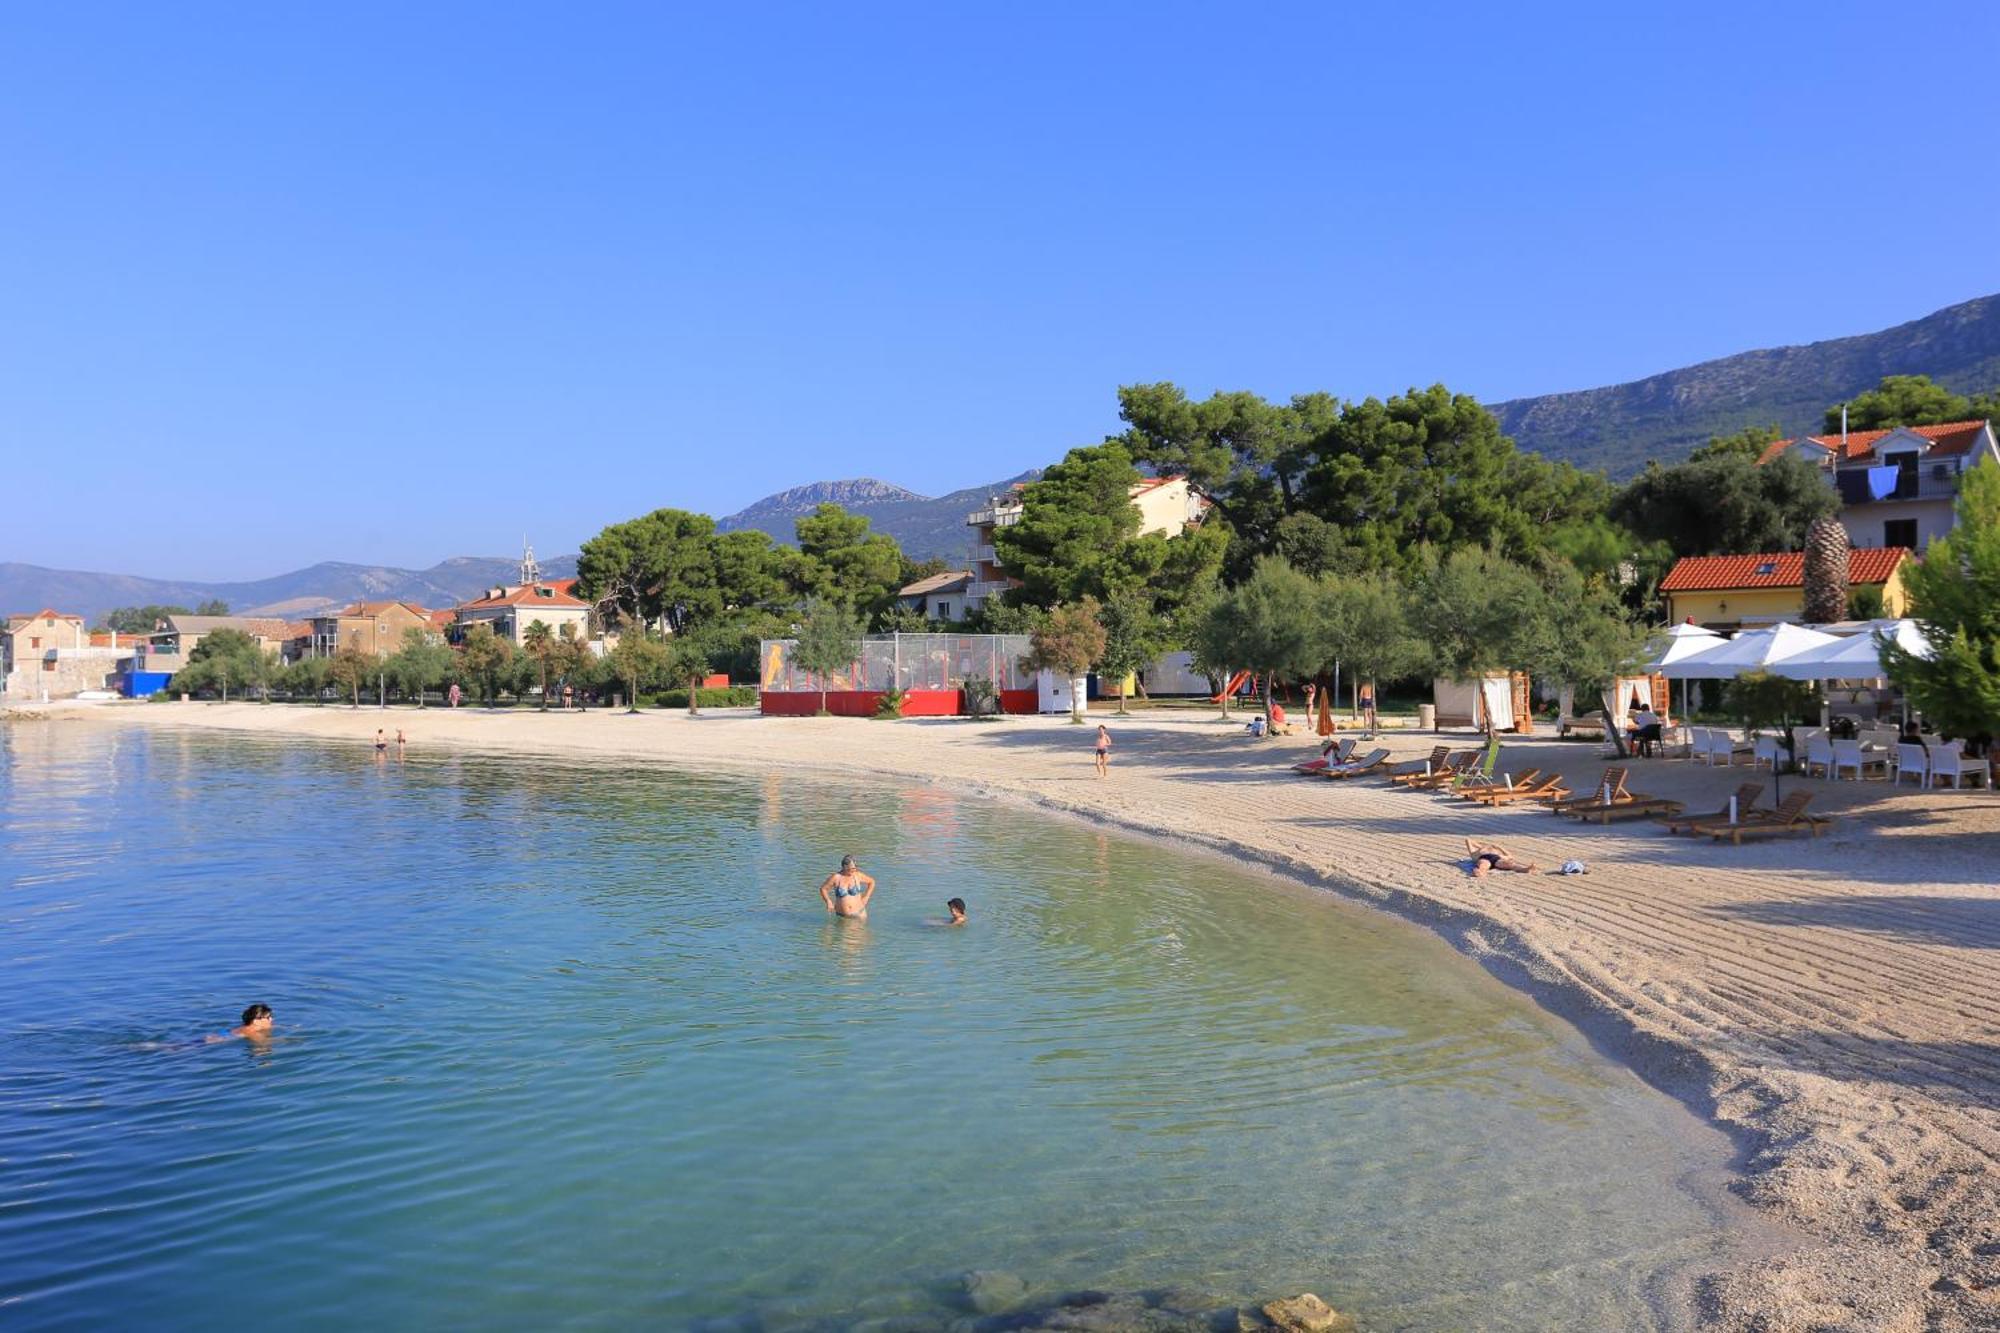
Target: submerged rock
(992, 1291)
(1307, 1313)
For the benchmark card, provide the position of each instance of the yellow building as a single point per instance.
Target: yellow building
(1744, 591)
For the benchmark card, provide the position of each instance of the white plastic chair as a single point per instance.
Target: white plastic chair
(1698, 744)
(1847, 755)
(1948, 762)
(1819, 754)
(1765, 752)
(1727, 747)
(1912, 759)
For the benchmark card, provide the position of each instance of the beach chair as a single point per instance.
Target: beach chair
(1788, 817)
(1746, 801)
(1443, 775)
(1632, 807)
(1723, 747)
(1543, 788)
(1912, 760)
(1850, 755)
(1949, 764)
(1337, 753)
(1418, 767)
(1614, 779)
(1368, 763)
(1698, 744)
(1819, 755)
(1506, 782)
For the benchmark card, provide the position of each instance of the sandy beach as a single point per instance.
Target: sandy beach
(1834, 1003)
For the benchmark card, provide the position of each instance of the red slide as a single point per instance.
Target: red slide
(1235, 684)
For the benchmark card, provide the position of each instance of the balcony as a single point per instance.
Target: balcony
(1928, 482)
(980, 589)
(995, 516)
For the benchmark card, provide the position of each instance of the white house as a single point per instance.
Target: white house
(1897, 487)
(939, 597)
(510, 610)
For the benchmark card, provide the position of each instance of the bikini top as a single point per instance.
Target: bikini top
(854, 890)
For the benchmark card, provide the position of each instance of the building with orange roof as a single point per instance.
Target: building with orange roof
(1735, 591)
(511, 609)
(1898, 487)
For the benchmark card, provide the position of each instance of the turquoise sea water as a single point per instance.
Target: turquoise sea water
(568, 1047)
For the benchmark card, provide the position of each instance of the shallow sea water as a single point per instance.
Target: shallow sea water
(564, 1046)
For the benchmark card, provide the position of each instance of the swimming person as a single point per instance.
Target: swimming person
(956, 906)
(846, 891)
(1490, 856)
(256, 1026)
(1103, 750)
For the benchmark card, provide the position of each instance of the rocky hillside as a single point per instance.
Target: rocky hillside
(30, 587)
(1664, 416)
(923, 526)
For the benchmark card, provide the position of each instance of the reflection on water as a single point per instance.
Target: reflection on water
(564, 1045)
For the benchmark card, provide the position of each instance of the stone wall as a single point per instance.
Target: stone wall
(75, 671)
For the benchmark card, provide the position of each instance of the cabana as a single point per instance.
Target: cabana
(1497, 701)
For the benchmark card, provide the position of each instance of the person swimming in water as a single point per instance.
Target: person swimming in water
(256, 1026)
(846, 891)
(956, 906)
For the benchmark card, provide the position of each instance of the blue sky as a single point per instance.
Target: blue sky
(389, 283)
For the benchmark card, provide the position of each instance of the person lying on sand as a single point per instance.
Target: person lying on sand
(1490, 856)
(256, 1026)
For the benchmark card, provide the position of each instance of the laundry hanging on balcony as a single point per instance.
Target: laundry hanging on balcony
(1882, 481)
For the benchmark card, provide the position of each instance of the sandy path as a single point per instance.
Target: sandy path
(1834, 1002)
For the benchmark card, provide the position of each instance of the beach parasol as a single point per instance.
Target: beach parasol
(1856, 657)
(1323, 724)
(1752, 650)
(1676, 643)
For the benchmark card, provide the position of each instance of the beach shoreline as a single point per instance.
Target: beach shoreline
(1847, 1041)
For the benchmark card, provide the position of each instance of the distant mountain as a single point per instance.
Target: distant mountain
(299, 593)
(922, 526)
(1664, 416)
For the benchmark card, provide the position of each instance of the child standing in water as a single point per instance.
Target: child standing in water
(1103, 750)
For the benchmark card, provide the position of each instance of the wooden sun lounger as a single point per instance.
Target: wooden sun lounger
(1545, 789)
(1746, 801)
(1359, 768)
(1789, 816)
(1614, 778)
(1504, 783)
(1418, 768)
(1631, 807)
(1342, 752)
(1450, 771)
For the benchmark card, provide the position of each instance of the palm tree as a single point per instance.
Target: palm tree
(539, 642)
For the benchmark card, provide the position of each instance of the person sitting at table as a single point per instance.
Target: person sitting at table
(1645, 729)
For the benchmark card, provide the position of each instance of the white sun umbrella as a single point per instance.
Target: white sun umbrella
(1677, 643)
(1752, 650)
(1855, 657)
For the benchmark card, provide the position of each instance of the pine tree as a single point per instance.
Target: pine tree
(1826, 571)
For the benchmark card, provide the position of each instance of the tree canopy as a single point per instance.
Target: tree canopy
(1908, 400)
(139, 619)
(1726, 503)
(838, 557)
(672, 568)
(1955, 596)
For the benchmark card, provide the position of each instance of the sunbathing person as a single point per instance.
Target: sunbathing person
(1490, 856)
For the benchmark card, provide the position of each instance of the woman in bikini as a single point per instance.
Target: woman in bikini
(846, 891)
(1491, 856)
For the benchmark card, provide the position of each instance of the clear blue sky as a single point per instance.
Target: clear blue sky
(388, 283)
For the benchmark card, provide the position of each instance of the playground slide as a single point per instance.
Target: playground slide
(1235, 684)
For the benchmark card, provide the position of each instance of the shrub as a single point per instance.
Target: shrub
(890, 705)
(736, 696)
(981, 699)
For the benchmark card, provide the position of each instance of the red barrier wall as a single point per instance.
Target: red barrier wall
(861, 703)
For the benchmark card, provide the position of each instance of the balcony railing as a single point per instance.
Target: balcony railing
(1924, 484)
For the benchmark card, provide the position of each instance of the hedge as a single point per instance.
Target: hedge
(736, 696)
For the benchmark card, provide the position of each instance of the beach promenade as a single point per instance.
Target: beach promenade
(1833, 1002)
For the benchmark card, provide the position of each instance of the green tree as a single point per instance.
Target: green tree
(1366, 621)
(1726, 504)
(1272, 623)
(1901, 400)
(672, 568)
(839, 559)
(538, 641)
(1746, 443)
(639, 660)
(139, 619)
(224, 659)
(419, 663)
(1578, 634)
(1073, 520)
(688, 664)
(349, 667)
(1134, 637)
(307, 678)
(1067, 641)
(214, 606)
(1475, 612)
(1955, 597)
(828, 640)
(486, 657)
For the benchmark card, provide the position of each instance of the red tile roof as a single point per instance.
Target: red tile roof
(534, 594)
(1946, 441)
(47, 614)
(1720, 573)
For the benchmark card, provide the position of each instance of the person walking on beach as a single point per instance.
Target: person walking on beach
(256, 1028)
(847, 890)
(452, 695)
(1490, 856)
(1103, 750)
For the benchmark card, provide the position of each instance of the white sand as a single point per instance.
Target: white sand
(1835, 1003)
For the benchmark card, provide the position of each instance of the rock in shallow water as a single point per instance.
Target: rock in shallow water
(992, 1291)
(1307, 1313)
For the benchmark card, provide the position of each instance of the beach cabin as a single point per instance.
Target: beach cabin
(1497, 701)
(930, 669)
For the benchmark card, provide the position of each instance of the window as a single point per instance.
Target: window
(1900, 532)
(1766, 567)
(34, 643)
(944, 610)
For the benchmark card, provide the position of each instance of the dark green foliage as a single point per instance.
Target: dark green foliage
(982, 699)
(1725, 503)
(828, 640)
(139, 619)
(839, 558)
(735, 696)
(214, 606)
(1955, 596)
(1746, 443)
(226, 663)
(1901, 400)
(1864, 602)
(1475, 611)
(890, 705)
(1133, 637)
(672, 568)
(1764, 702)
